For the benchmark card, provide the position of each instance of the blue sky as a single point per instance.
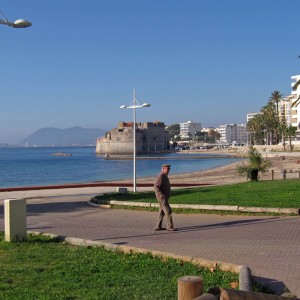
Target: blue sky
(210, 61)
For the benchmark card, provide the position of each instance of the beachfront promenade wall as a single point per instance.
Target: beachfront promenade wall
(264, 149)
(149, 137)
(119, 141)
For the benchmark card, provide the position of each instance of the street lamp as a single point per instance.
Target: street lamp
(134, 104)
(20, 23)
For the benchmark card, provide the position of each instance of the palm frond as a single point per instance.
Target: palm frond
(295, 86)
(296, 102)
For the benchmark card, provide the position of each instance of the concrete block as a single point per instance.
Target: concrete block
(15, 219)
(122, 190)
(279, 210)
(129, 203)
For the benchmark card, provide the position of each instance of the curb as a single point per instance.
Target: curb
(294, 211)
(245, 276)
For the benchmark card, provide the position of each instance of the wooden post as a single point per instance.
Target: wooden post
(284, 174)
(189, 287)
(272, 173)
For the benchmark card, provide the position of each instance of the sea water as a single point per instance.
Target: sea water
(39, 166)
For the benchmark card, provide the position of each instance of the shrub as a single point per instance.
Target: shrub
(255, 165)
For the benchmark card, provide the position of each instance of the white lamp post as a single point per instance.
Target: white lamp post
(134, 104)
(21, 23)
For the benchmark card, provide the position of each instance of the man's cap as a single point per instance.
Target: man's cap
(166, 166)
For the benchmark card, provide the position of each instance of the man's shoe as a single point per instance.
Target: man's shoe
(171, 229)
(160, 228)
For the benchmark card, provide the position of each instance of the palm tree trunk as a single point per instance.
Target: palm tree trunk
(283, 140)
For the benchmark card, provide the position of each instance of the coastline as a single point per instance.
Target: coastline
(215, 176)
(39, 167)
(227, 174)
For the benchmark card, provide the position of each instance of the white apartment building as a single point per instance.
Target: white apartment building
(233, 133)
(285, 110)
(188, 129)
(288, 112)
(207, 129)
(251, 116)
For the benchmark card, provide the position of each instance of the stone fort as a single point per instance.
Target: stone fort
(149, 137)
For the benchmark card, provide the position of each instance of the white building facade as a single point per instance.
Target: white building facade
(251, 115)
(188, 129)
(291, 113)
(233, 134)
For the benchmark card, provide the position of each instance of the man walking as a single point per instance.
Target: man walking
(162, 190)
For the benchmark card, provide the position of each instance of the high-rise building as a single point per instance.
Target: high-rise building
(233, 133)
(188, 129)
(289, 110)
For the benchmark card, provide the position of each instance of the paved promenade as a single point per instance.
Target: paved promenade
(270, 246)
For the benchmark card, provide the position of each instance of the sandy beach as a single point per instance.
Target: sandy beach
(289, 161)
(280, 161)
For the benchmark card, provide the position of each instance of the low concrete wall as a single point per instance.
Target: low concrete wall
(295, 211)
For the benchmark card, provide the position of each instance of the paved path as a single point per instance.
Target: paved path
(270, 246)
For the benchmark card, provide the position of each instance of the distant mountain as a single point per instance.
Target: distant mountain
(74, 136)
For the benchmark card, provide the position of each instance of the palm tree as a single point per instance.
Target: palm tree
(255, 165)
(282, 129)
(269, 122)
(255, 128)
(291, 132)
(275, 99)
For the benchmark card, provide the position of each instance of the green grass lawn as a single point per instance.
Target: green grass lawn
(43, 268)
(282, 194)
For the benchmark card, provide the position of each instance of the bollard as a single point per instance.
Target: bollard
(15, 219)
(272, 173)
(245, 279)
(189, 287)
